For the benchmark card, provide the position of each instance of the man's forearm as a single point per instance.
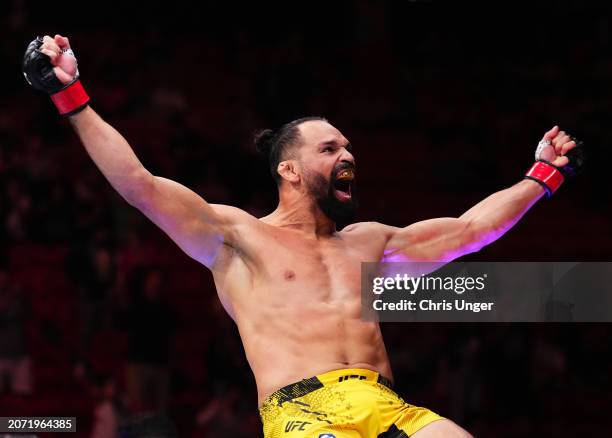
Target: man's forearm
(492, 217)
(111, 153)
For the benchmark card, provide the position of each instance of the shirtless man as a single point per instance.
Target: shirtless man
(290, 280)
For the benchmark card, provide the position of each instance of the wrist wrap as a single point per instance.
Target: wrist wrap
(547, 175)
(70, 99)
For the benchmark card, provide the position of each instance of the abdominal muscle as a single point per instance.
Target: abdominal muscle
(293, 339)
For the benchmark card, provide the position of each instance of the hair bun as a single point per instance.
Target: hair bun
(264, 140)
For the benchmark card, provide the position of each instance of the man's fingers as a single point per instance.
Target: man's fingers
(561, 161)
(552, 133)
(63, 77)
(48, 43)
(561, 144)
(560, 140)
(559, 135)
(51, 54)
(567, 147)
(62, 41)
(563, 140)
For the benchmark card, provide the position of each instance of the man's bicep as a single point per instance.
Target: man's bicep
(441, 239)
(197, 227)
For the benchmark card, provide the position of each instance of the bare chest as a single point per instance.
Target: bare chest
(323, 270)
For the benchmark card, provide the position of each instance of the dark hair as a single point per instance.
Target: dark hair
(274, 143)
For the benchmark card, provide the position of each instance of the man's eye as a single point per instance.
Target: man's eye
(327, 149)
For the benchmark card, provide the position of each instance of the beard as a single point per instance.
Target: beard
(323, 191)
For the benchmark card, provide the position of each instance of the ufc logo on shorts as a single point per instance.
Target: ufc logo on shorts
(296, 425)
(350, 376)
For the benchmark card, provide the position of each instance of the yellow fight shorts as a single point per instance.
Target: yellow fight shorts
(341, 404)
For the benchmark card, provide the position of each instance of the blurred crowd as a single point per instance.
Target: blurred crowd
(103, 318)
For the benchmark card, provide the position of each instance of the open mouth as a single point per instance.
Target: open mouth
(342, 184)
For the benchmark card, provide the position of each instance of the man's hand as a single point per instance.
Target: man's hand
(558, 156)
(61, 57)
(49, 65)
(560, 144)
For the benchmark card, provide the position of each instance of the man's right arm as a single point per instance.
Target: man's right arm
(197, 227)
(200, 229)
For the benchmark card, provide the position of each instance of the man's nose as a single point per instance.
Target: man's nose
(347, 157)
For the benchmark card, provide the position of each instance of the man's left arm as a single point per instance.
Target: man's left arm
(445, 239)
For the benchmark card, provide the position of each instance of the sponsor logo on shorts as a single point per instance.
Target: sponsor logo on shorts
(327, 435)
(296, 425)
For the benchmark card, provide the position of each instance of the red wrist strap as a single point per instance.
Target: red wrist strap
(71, 99)
(547, 175)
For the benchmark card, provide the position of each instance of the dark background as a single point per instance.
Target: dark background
(444, 104)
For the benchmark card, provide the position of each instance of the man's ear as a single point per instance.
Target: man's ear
(288, 171)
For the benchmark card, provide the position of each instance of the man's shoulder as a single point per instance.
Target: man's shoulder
(237, 218)
(231, 212)
(369, 227)
(241, 226)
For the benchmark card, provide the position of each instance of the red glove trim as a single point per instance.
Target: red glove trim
(71, 99)
(547, 175)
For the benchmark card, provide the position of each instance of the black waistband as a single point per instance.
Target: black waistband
(306, 386)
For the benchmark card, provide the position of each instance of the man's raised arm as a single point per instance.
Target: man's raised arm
(445, 239)
(194, 225)
(198, 228)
